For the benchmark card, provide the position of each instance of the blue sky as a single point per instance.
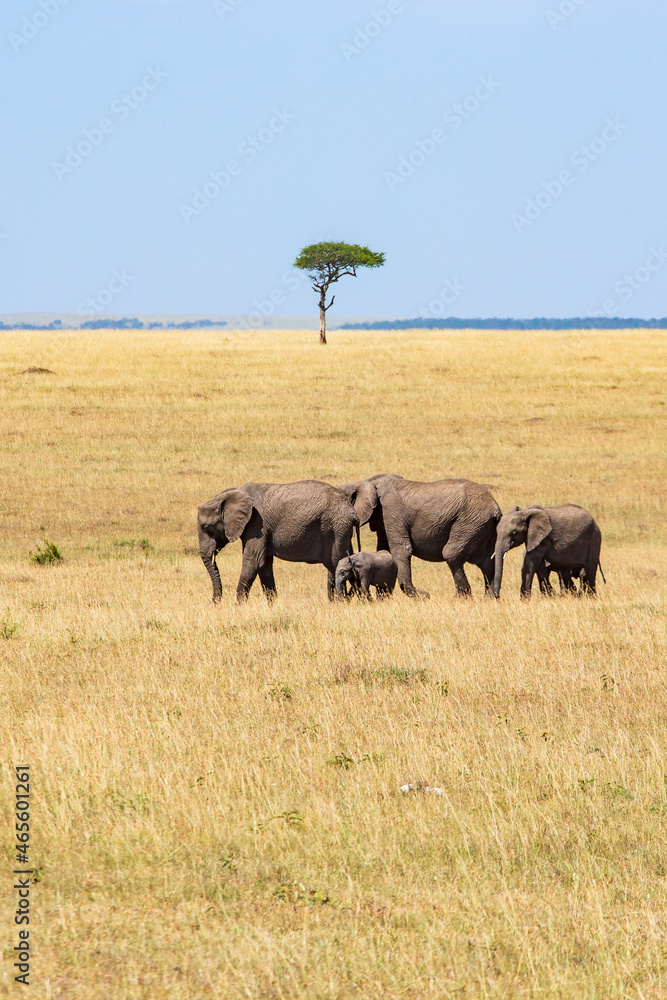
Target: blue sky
(508, 156)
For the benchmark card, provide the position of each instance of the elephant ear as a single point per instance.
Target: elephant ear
(363, 497)
(539, 526)
(237, 510)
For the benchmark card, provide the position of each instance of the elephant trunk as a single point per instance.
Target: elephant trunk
(207, 550)
(341, 589)
(502, 548)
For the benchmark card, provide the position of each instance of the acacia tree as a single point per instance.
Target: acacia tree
(326, 263)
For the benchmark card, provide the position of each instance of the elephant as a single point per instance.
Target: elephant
(451, 520)
(367, 569)
(564, 538)
(565, 579)
(308, 521)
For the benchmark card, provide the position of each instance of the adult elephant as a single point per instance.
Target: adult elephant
(451, 520)
(566, 538)
(308, 521)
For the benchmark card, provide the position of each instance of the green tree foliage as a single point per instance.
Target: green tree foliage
(327, 262)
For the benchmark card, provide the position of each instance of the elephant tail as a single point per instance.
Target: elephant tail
(602, 573)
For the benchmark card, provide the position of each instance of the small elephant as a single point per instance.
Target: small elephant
(367, 569)
(565, 539)
(565, 579)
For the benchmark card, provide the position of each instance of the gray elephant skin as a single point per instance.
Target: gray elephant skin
(565, 538)
(451, 520)
(308, 521)
(367, 569)
(565, 579)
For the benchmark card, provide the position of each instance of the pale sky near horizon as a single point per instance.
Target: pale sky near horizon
(508, 156)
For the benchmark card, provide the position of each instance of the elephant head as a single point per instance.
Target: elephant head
(219, 522)
(345, 573)
(530, 525)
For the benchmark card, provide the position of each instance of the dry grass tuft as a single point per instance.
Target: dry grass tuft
(217, 806)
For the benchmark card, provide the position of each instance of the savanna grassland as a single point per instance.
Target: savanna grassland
(216, 790)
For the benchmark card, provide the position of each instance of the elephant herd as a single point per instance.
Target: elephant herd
(453, 520)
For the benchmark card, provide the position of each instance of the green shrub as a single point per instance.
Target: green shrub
(47, 556)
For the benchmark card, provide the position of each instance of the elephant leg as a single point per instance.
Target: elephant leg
(460, 578)
(587, 577)
(453, 554)
(405, 573)
(246, 580)
(488, 567)
(341, 548)
(267, 580)
(252, 559)
(528, 570)
(543, 579)
(408, 587)
(402, 552)
(566, 581)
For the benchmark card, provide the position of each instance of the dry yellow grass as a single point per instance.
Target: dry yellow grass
(216, 790)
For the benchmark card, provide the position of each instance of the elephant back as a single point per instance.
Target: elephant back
(307, 500)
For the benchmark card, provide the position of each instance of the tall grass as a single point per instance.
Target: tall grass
(217, 807)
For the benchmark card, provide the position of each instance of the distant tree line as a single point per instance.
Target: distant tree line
(453, 323)
(117, 324)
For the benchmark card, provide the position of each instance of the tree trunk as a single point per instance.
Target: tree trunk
(323, 321)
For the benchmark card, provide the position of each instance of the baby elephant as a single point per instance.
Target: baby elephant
(564, 538)
(566, 579)
(367, 569)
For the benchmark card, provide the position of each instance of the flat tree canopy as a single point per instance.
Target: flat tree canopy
(327, 262)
